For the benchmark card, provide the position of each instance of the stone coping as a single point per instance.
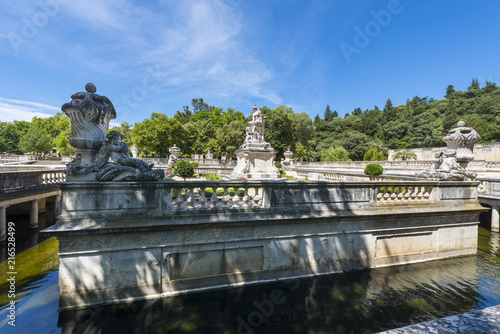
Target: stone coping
(481, 321)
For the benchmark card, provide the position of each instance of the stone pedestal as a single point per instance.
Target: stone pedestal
(256, 165)
(255, 156)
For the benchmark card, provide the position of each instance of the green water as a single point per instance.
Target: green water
(357, 302)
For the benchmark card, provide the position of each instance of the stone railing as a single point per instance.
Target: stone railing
(489, 187)
(6, 158)
(28, 181)
(211, 196)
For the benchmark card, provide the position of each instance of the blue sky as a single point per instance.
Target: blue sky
(156, 56)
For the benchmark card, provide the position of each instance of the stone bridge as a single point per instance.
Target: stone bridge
(28, 188)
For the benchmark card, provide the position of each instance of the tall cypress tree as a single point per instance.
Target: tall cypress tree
(328, 113)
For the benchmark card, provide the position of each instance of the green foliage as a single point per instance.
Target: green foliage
(337, 153)
(278, 165)
(183, 169)
(373, 170)
(195, 164)
(404, 155)
(212, 177)
(36, 140)
(158, 133)
(374, 155)
(63, 146)
(302, 154)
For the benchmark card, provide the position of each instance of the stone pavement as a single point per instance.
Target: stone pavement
(476, 322)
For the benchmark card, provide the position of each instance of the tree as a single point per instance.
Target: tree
(302, 127)
(373, 170)
(184, 169)
(337, 153)
(449, 90)
(301, 154)
(374, 155)
(279, 129)
(183, 116)
(388, 105)
(158, 133)
(489, 87)
(63, 146)
(317, 119)
(36, 140)
(474, 84)
(12, 133)
(328, 113)
(404, 155)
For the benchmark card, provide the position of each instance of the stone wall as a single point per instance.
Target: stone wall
(126, 241)
(486, 151)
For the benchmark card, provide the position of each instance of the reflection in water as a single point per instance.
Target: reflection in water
(356, 302)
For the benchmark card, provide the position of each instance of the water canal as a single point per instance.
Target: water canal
(356, 302)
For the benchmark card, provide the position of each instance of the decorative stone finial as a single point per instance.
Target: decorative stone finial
(90, 115)
(90, 87)
(462, 140)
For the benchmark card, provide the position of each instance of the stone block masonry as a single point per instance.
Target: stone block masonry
(127, 241)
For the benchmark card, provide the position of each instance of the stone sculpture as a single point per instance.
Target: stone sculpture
(90, 115)
(446, 168)
(451, 165)
(172, 159)
(135, 152)
(287, 163)
(255, 155)
(462, 140)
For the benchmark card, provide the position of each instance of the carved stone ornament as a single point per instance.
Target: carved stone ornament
(287, 163)
(90, 115)
(462, 140)
(446, 168)
(451, 165)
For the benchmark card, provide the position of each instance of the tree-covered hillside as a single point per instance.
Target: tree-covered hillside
(360, 135)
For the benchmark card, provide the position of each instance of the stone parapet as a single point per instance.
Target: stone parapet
(127, 241)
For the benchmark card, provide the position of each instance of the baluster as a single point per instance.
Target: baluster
(379, 195)
(414, 194)
(225, 198)
(408, 193)
(421, 193)
(190, 200)
(386, 194)
(257, 198)
(400, 194)
(427, 193)
(246, 199)
(203, 198)
(179, 200)
(214, 198)
(236, 199)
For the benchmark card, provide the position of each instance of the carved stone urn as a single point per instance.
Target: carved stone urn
(462, 140)
(90, 115)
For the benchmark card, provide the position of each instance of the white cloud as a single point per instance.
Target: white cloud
(18, 110)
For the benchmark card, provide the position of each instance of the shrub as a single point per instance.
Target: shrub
(212, 177)
(195, 164)
(278, 165)
(183, 169)
(282, 172)
(373, 170)
(208, 193)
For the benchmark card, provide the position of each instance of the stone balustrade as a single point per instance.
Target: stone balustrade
(27, 181)
(121, 241)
